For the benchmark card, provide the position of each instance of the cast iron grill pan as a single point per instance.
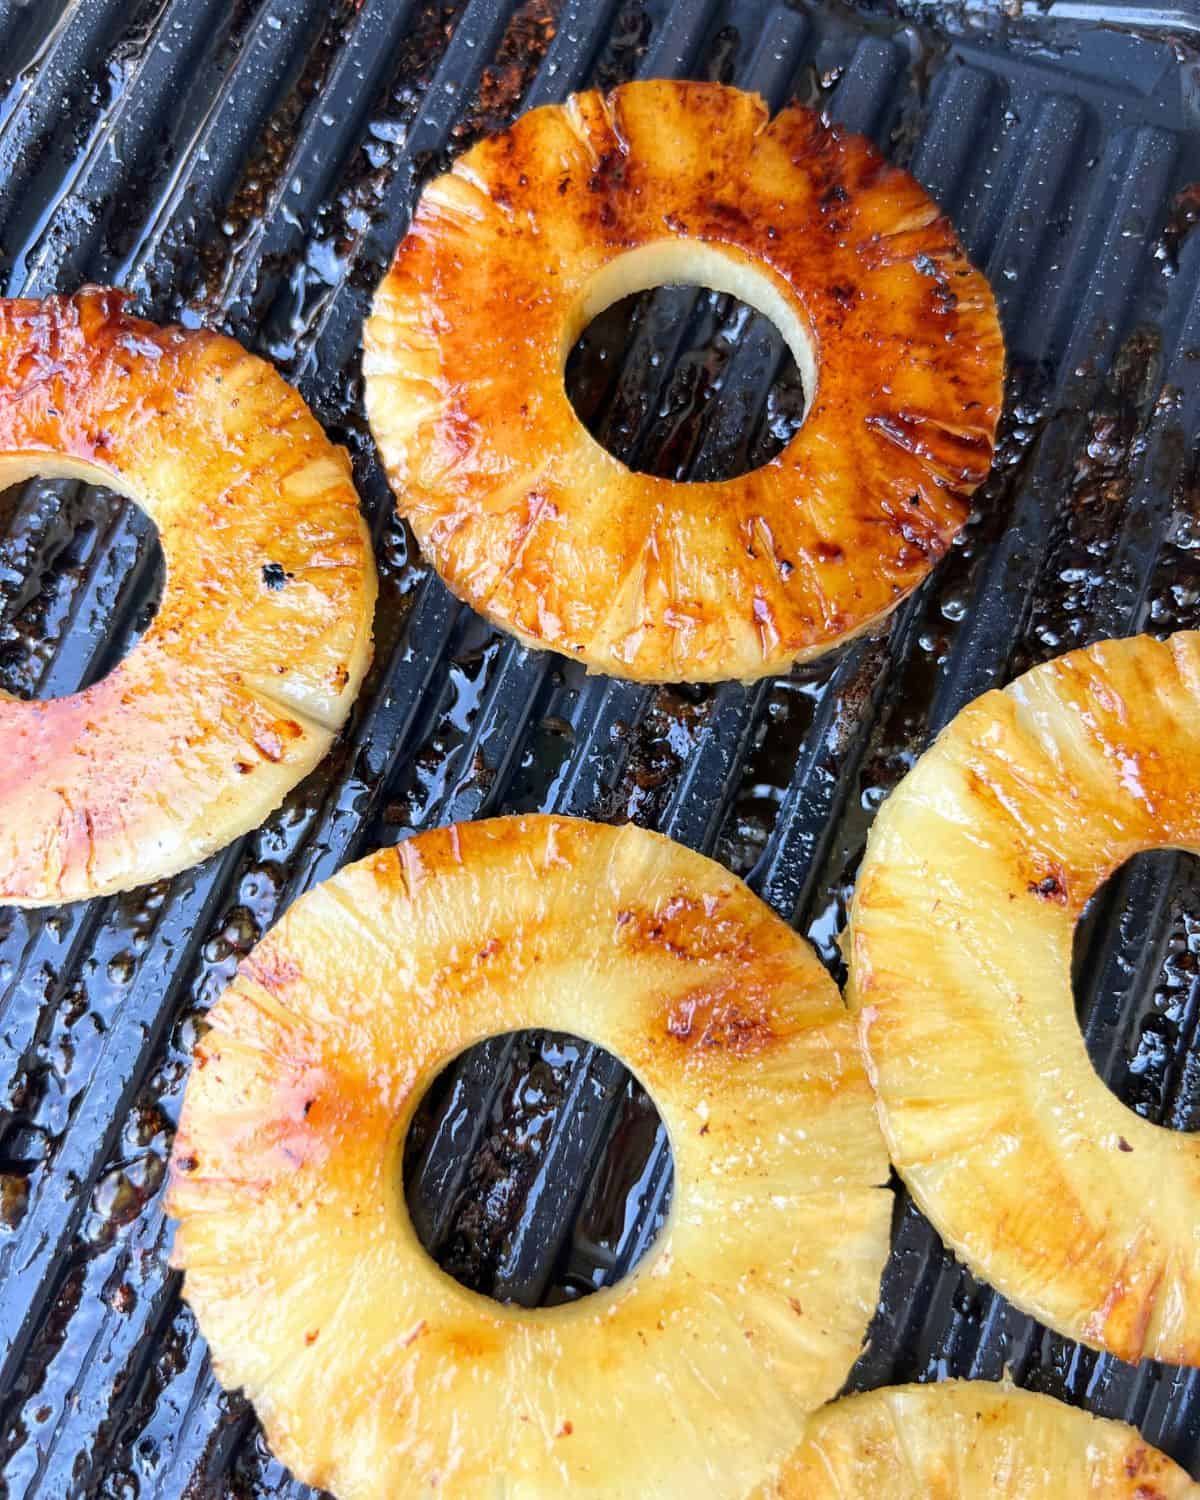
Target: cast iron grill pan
(252, 165)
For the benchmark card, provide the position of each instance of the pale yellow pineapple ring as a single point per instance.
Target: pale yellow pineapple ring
(976, 871)
(263, 634)
(375, 1374)
(972, 1440)
(533, 232)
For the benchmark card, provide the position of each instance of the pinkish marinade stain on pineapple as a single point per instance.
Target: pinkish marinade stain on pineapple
(272, 969)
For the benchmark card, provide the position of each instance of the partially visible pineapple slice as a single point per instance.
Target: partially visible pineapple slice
(375, 1374)
(961, 932)
(535, 231)
(255, 656)
(972, 1440)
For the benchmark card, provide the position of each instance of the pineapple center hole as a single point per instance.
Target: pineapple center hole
(537, 1169)
(81, 577)
(1136, 976)
(688, 365)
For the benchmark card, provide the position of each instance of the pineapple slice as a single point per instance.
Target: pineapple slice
(264, 630)
(377, 1375)
(977, 868)
(970, 1440)
(535, 231)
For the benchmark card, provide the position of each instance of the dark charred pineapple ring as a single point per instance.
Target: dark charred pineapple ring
(263, 633)
(376, 1375)
(534, 232)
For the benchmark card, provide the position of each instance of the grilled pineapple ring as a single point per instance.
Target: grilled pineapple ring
(972, 1440)
(377, 1375)
(976, 871)
(263, 634)
(534, 232)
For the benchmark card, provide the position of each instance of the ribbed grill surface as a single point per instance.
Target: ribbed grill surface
(252, 165)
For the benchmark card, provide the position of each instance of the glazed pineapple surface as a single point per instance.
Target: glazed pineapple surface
(972, 1440)
(260, 642)
(977, 869)
(375, 1373)
(535, 231)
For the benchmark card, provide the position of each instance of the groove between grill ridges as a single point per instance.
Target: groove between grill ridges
(48, 253)
(81, 34)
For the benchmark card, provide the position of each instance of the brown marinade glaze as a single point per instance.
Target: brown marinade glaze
(548, 535)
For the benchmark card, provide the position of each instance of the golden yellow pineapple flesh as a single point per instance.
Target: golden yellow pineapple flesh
(972, 1440)
(375, 1374)
(978, 866)
(534, 232)
(263, 634)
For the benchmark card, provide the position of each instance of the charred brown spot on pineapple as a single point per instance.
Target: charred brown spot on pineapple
(1051, 887)
(687, 927)
(270, 742)
(730, 1020)
(470, 1343)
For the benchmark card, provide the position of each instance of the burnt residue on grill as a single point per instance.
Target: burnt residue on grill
(1174, 594)
(658, 747)
(1183, 213)
(504, 81)
(221, 246)
(492, 1196)
(1103, 473)
(625, 46)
